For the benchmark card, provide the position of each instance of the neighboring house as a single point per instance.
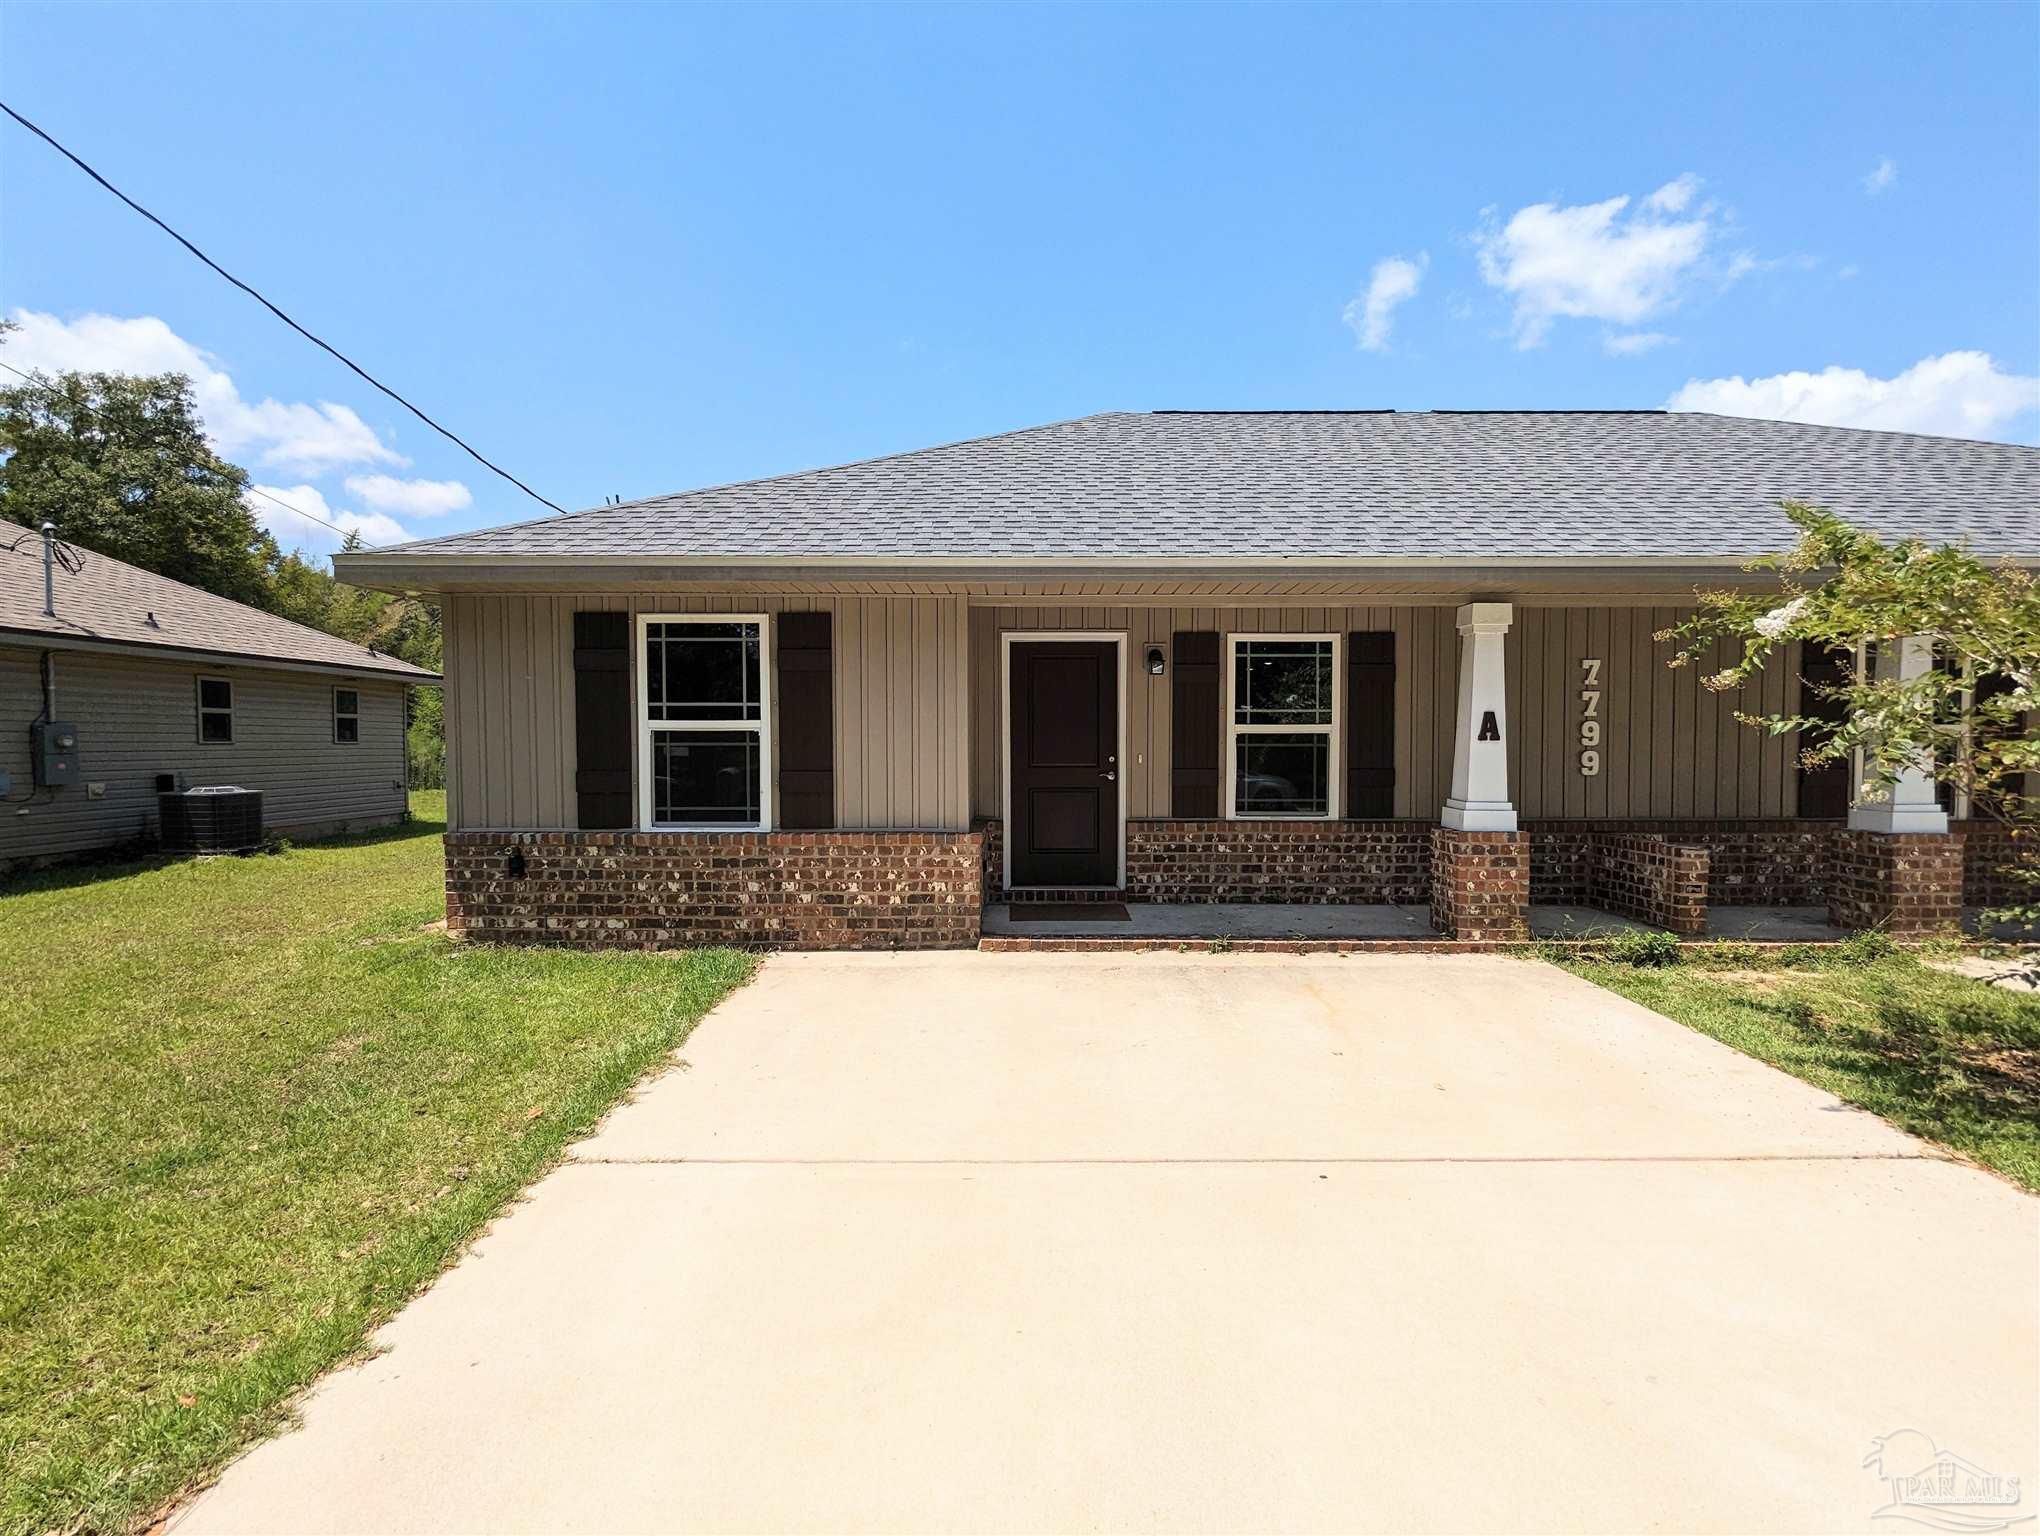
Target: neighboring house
(168, 686)
(1181, 656)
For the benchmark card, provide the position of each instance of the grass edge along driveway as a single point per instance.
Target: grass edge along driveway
(248, 1108)
(1945, 1057)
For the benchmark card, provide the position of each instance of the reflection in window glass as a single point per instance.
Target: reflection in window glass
(1282, 682)
(215, 709)
(1282, 774)
(702, 671)
(705, 777)
(705, 746)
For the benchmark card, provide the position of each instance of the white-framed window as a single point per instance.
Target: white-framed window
(346, 716)
(1282, 712)
(216, 711)
(704, 720)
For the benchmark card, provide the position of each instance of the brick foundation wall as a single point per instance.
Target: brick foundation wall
(1987, 848)
(754, 890)
(1305, 862)
(1301, 862)
(1480, 884)
(1904, 883)
(1750, 863)
(1646, 875)
(994, 835)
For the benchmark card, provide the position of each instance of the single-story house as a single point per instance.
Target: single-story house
(117, 685)
(1181, 656)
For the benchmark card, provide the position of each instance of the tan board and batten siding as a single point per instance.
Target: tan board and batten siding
(137, 718)
(1670, 748)
(901, 717)
(917, 701)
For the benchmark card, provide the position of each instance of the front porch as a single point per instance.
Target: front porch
(1418, 774)
(1025, 925)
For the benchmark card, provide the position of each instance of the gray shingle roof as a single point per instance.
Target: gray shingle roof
(1284, 485)
(111, 602)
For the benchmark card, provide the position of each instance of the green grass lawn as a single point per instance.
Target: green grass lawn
(247, 1107)
(1943, 1056)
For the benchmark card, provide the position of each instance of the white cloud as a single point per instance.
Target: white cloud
(310, 439)
(1674, 195)
(297, 515)
(1394, 281)
(1598, 261)
(1958, 394)
(1850, 271)
(411, 498)
(1882, 175)
(1634, 343)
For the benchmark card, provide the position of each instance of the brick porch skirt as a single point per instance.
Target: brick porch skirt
(1988, 851)
(1751, 862)
(1480, 884)
(665, 890)
(926, 890)
(1905, 883)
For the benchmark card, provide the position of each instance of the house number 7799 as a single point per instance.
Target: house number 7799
(1590, 716)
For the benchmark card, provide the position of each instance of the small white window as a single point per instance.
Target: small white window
(1282, 727)
(704, 721)
(215, 710)
(346, 715)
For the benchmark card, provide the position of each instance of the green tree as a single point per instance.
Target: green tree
(121, 465)
(1849, 591)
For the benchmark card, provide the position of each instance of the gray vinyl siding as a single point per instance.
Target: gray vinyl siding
(900, 733)
(137, 718)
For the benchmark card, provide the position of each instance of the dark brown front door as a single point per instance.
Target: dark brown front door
(1065, 764)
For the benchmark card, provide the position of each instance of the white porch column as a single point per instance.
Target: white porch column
(1911, 807)
(1480, 755)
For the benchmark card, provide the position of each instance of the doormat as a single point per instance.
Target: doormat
(1069, 912)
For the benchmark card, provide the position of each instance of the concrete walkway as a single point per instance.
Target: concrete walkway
(970, 1242)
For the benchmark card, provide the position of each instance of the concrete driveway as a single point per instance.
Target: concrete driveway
(972, 1242)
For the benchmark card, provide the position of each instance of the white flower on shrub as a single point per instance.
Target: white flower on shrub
(1773, 625)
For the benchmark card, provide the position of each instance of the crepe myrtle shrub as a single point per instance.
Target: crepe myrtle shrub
(1848, 590)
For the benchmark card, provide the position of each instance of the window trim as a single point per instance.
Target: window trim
(353, 714)
(1229, 767)
(646, 726)
(200, 709)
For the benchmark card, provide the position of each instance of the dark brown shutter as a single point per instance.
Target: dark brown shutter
(602, 720)
(1194, 733)
(807, 722)
(1370, 722)
(1823, 791)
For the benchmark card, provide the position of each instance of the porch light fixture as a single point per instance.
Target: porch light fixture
(1155, 661)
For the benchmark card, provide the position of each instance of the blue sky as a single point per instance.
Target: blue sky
(628, 251)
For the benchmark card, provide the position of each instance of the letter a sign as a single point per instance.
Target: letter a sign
(1489, 729)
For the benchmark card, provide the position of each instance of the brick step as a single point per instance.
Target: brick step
(1011, 944)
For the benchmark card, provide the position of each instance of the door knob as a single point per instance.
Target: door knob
(1111, 774)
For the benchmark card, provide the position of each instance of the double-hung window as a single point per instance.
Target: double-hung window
(1282, 722)
(215, 710)
(705, 720)
(346, 715)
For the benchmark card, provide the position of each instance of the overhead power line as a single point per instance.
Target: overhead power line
(310, 517)
(254, 294)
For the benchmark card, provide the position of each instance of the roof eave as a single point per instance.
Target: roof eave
(58, 640)
(438, 572)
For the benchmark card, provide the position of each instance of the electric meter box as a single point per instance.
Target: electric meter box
(54, 747)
